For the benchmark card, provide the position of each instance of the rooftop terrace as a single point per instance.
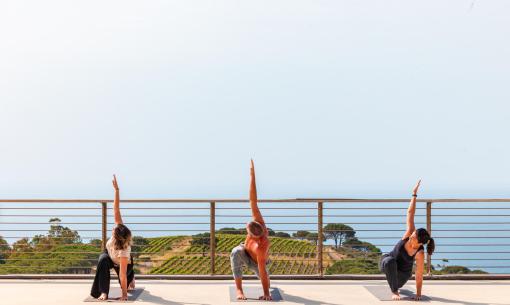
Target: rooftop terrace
(177, 264)
(210, 292)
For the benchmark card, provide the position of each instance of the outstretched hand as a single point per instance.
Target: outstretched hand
(416, 187)
(252, 169)
(253, 185)
(266, 297)
(123, 298)
(115, 184)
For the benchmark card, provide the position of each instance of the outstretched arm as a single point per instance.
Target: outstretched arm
(420, 262)
(411, 211)
(264, 279)
(123, 278)
(116, 202)
(257, 216)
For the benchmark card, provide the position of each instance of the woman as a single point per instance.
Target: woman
(117, 255)
(398, 264)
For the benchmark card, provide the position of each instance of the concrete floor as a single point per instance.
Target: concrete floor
(71, 292)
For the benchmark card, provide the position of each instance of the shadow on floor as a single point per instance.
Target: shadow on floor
(450, 301)
(300, 300)
(148, 297)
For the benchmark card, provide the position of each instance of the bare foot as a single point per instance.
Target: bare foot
(395, 296)
(131, 285)
(103, 297)
(240, 295)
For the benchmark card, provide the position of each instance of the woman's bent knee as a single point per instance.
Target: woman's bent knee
(387, 263)
(104, 260)
(236, 251)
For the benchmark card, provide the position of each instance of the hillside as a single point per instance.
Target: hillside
(62, 250)
(288, 256)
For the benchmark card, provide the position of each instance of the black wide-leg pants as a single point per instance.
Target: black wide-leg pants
(102, 279)
(396, 279)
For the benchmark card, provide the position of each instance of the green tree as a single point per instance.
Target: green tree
(359, 245)
(231, 231)
(338, 232)
(458, 270)
(62, 235)
(354, 266)
(301, 234)
(314, 238)
(4, 250)
(139, 243)
(96, 242)
(22, 245)
(59, 251)
(282, 234)
(77, 258)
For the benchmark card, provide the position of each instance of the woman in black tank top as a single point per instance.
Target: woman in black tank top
(398, 264)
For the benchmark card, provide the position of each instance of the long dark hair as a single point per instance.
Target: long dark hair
(121, 237)
(424, 238)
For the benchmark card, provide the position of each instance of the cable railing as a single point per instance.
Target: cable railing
(319, 237)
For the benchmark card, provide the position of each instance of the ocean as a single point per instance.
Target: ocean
(474, 235)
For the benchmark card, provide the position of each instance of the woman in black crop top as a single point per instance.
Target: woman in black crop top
(398, 264)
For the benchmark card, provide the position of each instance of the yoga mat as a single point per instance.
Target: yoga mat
(383, 293)
(253, 293)
(115, 293)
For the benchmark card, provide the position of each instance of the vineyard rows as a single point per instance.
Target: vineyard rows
(160, 244)
(193, 262)
(279, 246)
(201, 265)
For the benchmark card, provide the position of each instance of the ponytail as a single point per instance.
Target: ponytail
(431, 246)
(424, 238)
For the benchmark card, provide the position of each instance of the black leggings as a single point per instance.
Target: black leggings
(102, 279)
(395, 278)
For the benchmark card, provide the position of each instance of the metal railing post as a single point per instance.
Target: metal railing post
(104, 220)
(212, 234)
(429, 228)
(320, 240)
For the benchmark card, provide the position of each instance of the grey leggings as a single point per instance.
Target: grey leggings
(395, 278)
(239, 258)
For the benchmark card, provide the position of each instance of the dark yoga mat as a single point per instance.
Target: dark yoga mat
(253, 293)
(383, 293)
(115, 293)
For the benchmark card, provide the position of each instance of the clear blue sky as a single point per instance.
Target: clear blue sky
(331, 98)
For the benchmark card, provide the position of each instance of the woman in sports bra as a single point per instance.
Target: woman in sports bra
(398, 264)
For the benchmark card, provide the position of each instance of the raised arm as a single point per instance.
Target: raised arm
(257, 216)
(411, 211)
(116, 202)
